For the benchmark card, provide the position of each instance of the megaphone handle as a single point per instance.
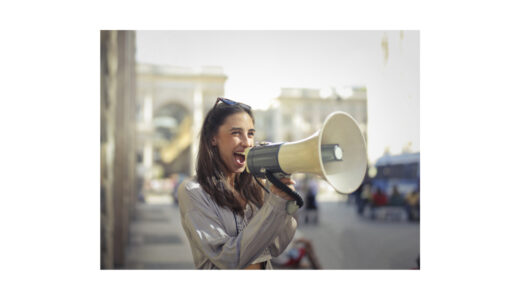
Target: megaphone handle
(276, 182)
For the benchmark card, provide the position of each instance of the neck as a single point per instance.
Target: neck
(230, 178)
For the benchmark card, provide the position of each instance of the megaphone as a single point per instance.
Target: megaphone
(336, 153)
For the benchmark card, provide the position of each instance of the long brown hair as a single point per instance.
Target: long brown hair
(210, 167)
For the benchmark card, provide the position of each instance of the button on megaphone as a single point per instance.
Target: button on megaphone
(336, 153)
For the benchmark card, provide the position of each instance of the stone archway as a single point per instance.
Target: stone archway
(173, 137)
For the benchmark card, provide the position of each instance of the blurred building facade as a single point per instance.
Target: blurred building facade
(117, 155)
(172, 102)
(300, 112)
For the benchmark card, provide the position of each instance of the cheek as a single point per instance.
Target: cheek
(221, 150)
(224, 148)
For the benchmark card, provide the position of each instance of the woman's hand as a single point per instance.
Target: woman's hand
(287, 181)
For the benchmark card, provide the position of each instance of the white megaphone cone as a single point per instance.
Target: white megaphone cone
(337, 153)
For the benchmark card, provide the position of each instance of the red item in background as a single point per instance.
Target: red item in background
(380, 199)
(295, 256)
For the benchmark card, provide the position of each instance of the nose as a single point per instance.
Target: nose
(246, 141)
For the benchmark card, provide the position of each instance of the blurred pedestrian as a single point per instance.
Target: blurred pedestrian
(379, 200)
(412, 205)
(311, 207)
(356, 195)
(396, 199)
(366, 198)
(229, 221)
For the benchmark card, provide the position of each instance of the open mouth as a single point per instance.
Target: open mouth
(240, 157)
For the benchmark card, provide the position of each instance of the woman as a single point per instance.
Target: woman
(229, 221)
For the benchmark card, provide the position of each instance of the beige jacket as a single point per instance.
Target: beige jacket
(220, 239)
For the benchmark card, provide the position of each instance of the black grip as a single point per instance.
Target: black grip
(276, 182)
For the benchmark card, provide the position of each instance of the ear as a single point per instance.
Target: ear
(213, 141)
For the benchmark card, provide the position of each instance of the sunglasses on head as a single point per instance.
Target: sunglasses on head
(231, 102)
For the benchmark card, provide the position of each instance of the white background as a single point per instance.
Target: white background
(50, 149)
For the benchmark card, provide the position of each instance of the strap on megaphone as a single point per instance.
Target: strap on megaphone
(276, 182)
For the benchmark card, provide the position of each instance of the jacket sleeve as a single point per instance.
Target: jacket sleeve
(285, 237)
(204, 228)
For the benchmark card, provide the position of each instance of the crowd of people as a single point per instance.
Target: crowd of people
(378, 199)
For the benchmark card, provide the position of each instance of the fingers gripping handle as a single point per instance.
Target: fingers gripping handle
(276, 182)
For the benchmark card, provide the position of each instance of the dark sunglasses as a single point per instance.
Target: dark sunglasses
(231, 102)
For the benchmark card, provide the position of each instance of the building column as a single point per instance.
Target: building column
(118, 161)
(148, 143)
(198, 111)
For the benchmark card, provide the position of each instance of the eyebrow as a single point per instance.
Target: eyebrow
(238, 128)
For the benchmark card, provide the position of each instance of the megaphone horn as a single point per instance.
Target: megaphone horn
(336, 152)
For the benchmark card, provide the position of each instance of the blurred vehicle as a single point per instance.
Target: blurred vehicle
(401, 170)
(398, 180)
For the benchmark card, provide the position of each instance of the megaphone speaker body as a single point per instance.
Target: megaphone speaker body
(340, 132)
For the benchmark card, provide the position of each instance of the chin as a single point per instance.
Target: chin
(240, 170)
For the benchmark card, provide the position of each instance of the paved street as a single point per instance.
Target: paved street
(157, 240)
(342, 239)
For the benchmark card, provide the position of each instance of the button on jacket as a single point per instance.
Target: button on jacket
(220, 239)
